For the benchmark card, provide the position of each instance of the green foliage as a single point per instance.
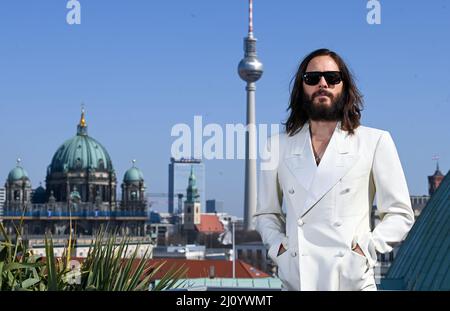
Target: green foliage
(105, 267)
(19, 269)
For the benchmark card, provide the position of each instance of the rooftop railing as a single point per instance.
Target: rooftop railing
(86, 214)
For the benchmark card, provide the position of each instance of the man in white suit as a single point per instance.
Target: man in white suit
(314, 204)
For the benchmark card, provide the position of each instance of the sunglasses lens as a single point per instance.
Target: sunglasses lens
(312, 78)
(332, 77)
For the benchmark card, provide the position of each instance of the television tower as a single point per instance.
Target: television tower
(250, 70)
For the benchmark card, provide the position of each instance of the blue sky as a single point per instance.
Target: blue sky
(142, 66)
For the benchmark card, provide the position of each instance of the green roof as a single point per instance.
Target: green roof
(423, 260)
(17, 173)
(133, 174)
(81, 153)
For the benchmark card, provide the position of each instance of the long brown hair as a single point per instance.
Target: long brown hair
(352, 98)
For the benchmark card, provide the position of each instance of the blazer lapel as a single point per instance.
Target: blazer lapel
(300, 160)
(340, 156)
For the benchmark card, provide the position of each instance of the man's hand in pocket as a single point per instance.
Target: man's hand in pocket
(281, 250)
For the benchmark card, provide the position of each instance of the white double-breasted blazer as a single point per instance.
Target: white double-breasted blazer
(318, 212)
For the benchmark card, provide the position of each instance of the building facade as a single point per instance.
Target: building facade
(81, 186)
(2, 199)
(214, 206)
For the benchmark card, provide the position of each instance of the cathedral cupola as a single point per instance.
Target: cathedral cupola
(133, 186)
(18, 185)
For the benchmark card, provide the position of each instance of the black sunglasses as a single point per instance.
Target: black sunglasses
(313, 77)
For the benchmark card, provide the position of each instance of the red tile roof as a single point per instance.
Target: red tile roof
(202, 268)
(199, 268)
(209, 224)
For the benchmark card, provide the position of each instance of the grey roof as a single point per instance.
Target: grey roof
(423, 260)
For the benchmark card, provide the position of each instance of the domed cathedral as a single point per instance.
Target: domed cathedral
(80, 185)
(84, 165)
(18, 188)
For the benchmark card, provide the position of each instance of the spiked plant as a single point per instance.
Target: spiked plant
(55, 275)
(106, 269)
(19, 268)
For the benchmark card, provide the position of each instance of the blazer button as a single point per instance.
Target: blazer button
(338, 223)
(300, 222)
(291, 191)
(340, 254)
(293, 253)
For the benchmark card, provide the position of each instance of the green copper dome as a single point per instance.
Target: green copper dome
(81, 153)
(133, 174)
(17, 173)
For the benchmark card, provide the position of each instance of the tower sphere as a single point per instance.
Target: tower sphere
(250, 69)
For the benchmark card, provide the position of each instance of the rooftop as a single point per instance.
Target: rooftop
(209, 268)
(423, 260)
(209, 224)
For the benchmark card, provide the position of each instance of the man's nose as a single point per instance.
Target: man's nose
(323, 83)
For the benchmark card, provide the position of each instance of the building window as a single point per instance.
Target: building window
(133, 196)
(239, 253)
(258, 254)
(249, 253)
(16, 195)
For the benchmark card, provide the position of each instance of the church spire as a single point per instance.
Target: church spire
(192, 191)
(82, 126)
(435, 180)
(438, 171)
(83, 120)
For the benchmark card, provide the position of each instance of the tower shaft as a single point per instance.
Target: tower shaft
(250, 70)
(250, 158)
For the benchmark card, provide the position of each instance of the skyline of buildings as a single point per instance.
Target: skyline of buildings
(160, 202)
(80, 193)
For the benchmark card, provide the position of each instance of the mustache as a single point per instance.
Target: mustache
(322, 92)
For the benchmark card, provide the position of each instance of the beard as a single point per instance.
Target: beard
(318, 111)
